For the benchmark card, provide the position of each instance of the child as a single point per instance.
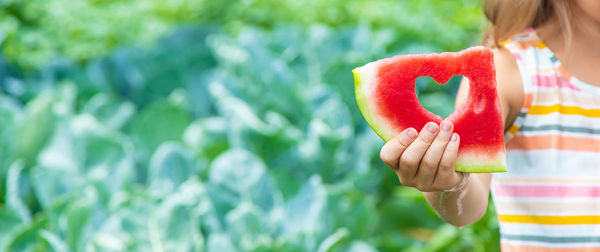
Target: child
(547, 56)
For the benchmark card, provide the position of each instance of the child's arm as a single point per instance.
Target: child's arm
(425, 159)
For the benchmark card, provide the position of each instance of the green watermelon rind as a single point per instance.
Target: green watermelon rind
(474, 162)
(362, 100)
(480, 166)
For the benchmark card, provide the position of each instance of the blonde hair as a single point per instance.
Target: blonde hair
(510, 17)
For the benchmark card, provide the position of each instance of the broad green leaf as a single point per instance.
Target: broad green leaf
(247, 224)
(56, 243)
(237, 170)
(170, 166)
(57, 171)
(336, 238)
(218, 242)
(443, 238)
(10, 224)
(251, 182)
(104, 241)
(37, 127)
(329, 132)
(27, 239)
(360, 246)
(265, 194)
(78, 217)
(11, 116)
(177, 221)
(297, 243)
(272, 138)
(305, 210)
(127, 226)
(157, 123)
(109, 110)
(223, 201)
(238, 175)
(49, 184)
(13, 194)
(350, 209)
(207, 136)
(104, 156)
(238, 111)
(365, 163)
(334, 113)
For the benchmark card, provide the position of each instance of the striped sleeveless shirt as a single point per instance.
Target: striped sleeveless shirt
(549, 200)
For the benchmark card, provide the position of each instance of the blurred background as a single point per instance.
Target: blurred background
(213, 125)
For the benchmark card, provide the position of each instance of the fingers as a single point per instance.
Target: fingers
(393, 149)
(446, 177)
(424, 160)
(429, 164)
(412, 156)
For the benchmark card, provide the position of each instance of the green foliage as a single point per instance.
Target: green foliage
(219, 137)
(36, 31)
(276, 158)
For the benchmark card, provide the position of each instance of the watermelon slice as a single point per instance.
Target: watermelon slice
(385, 92)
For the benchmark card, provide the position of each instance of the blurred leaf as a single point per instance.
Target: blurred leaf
(330, 242)
(208, 136)
(10, 118)
(247, 224)
(77, 217)
(109, 111)
(360, 246)
(108, 242)
(10, 223)
(104, 157)
(170, 166)
(239, 175)
(177, 223)
(220, 242)
(13, 194)
(236, 170)
(443, 238)
(37, 127)
(305, 210)
(55, 242)
(27, 239)
(159, 122)
(349, 209)
(56, 173)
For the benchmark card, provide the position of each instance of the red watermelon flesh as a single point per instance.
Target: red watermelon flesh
(385, 93)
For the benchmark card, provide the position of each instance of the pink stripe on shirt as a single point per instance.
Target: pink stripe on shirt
(540, 80)
(547, 191)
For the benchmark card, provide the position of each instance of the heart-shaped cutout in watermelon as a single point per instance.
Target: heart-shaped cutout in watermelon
(385, 93)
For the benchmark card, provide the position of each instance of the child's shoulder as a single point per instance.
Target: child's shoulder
(509, 84)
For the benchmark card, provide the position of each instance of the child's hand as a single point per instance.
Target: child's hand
(425, 161)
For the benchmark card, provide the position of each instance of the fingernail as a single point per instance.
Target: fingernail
(445, 126)
(454, 137)
(431, 127)
(411, 133)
